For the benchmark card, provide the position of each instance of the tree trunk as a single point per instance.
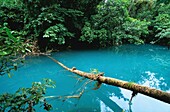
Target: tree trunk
(154, 93)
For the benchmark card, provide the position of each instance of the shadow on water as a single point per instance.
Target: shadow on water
(107, 101)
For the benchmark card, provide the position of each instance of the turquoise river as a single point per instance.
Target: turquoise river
(147, 65)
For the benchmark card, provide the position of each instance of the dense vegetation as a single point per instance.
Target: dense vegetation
(100, 23)
(58, 24)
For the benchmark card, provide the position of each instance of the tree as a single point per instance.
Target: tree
(12, 48)
(112, 25)
(101, 23)
(161, 24)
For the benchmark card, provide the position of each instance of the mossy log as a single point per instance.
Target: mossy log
(151, 92)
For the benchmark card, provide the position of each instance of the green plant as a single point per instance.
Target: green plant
(113, 25)
(50, 24)
(161, 24)
(135, 29)
(94, 71)
(25, 99)
(57, 33)
(11, 48)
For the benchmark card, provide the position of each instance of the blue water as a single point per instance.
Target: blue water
(144, 64)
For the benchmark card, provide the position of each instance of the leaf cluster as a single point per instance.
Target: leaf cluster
(133, 21)
(112, 25)
(11, 46)
(25, 99)
(162, 22)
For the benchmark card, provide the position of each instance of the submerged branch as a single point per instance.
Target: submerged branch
(64, 98)
(154, 93)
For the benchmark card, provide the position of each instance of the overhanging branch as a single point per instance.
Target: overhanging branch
(151, 92)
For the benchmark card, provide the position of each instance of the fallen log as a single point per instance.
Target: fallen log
(136, 88)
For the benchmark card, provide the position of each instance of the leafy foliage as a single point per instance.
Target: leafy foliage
(135, 29)
(162, 26)
(142, 9)
(50, 22)
(9, 43)
(101, 22)
(11, 46)
(161, 23)
(57, 33)
(26, 98)
(89, 34)
(157, 13)
(113, 25)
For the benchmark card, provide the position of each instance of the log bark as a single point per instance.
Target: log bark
(151, 92)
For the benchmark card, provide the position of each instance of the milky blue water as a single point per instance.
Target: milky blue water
(147, 65)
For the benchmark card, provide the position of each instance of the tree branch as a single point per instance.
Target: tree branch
(154, 93)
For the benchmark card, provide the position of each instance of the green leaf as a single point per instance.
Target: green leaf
(3, 53)
(9, 75)
(10, 35)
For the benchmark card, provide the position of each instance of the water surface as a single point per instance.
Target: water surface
(147, 65)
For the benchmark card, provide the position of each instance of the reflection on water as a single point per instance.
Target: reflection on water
(151, 81)
(140, 103)
(104, 107)
(145, 64)
(124, 104)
